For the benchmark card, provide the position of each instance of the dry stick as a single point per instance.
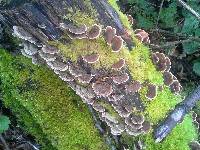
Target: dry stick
(189, 8)
(177, 115)
(4, 142)
(161, 5)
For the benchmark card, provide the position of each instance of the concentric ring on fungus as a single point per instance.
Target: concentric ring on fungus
(116, 43)
(94, 32)
(102, 89)
(109, 34)
(133, 87)
(91, 58)
(151, 91)
(119, 79)
(119, 65)
(168, 78)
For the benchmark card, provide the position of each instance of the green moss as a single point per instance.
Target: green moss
(123, 17)
(61, 116)
(177, 140)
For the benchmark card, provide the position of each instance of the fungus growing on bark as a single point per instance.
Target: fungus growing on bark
(168, 78)
(98, 107)
(132, 131)
(109, 34)
(176, 87)
(76, 71)
(168, 63)
(25, 54)
(121, 126)
(119, 79)
(30, 48)
(137, 119)
(155, 58)
(78, 29)
(91, 58)
(22, 34)
(146, 126)
(116, 43)
(65, 76)
(119, 65)
(130, 19)
(102, 89)
(115, 130)
(85, 78)
(74, 29)
(151, 91)
(94, 32)
(49, 49)
(142, 36)
(115, 97)
(133, 87)
(46, 56)
(76, 36)
(58, 65)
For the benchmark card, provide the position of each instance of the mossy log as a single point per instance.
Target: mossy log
(90, 45)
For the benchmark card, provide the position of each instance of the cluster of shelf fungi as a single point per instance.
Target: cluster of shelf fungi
(114, 87)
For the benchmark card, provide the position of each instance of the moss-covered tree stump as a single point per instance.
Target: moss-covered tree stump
(91, 46)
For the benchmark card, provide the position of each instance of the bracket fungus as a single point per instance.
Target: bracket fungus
(85, 78)
(168, 78)
(137, 119)
(65, 76)
(151, 91)
(46, 56)
(142, 36)
(146, 126)
(91, 58)
(102, 89)
(94, 32)
(109, 34)
(119, 79)
(133, 87)
(58, 65)
(130, 19)
(116, 43)
(49, 49)
(176, 86)
(119, 65)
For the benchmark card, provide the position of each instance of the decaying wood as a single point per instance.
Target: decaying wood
(177, 115)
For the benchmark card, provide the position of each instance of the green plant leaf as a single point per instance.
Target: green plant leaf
(4, 123)
(196, 68)
(191, 47)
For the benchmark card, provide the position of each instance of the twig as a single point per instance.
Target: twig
(189, 8)
(161, 5)
(4, 142)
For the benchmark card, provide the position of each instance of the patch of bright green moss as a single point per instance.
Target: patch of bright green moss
(59, 114)
(80, 17)
(123, 17)
(182, 134)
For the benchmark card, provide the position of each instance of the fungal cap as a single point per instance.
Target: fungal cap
(92, 58)
(94, 32)
(116, 43)
(77, 30)
(137, 119)
(151, 92)
(85, 78)
(155, 58)
(46, 56)
(118, 65)
(130, 19)
(49, 49)
(102, 89)
(109, 34)
(57, 65)
(176, 87)
(133, 87)
(168, 78)
(146, 126)
(121, 78)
